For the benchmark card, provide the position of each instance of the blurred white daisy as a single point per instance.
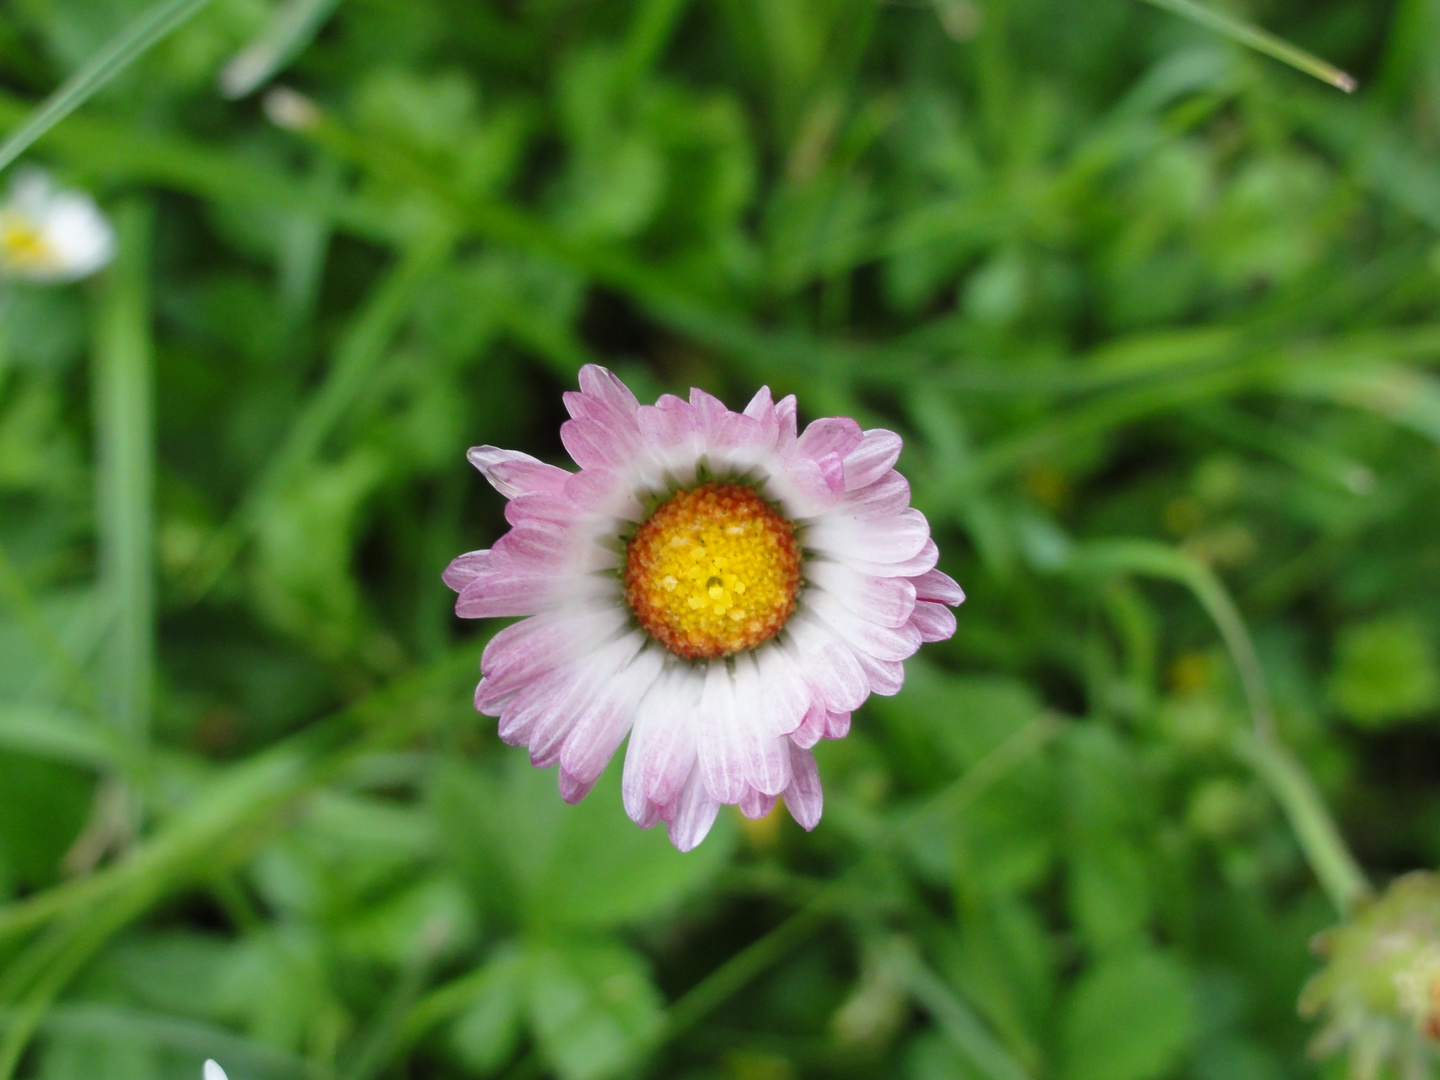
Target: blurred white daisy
(49, 234)
(719, 586)
(213, 1071)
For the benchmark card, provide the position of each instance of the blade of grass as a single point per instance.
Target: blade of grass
(125, 467)
(228, 817)
(119, 53)
(956, 1020)
(1262, 41)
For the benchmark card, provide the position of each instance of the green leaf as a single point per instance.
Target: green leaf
(1129, 1018)
(586, 866)
(1385, 670)
(486, 1033)
(593, 1006)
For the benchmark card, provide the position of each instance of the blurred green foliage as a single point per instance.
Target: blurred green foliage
(1156, 316)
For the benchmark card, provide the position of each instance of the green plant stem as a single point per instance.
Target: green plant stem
(125, 478)
(1325, 850)
(118, 54)
(1282, 773)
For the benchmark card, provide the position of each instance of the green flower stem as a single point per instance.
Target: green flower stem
(1319, 837)
(1320, 840)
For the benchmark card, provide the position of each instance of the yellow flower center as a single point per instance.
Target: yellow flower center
(713, 572)
(22, 245)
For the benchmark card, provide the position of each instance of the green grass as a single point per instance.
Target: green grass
(1156, 315)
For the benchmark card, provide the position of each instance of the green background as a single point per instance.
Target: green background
(1155, 315)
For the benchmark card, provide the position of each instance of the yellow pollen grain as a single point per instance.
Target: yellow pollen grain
(714, 571)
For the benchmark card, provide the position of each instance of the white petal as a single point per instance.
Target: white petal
(830, 667)
(887, 601)
(915, 567)
(722, 739)
(766, 760)
(661, 754)
(593, 741)
(693, 815)
(882, 642)
(893, 539)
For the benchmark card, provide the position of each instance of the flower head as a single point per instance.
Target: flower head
(1379, 993)
(50, 235)
(719, 586)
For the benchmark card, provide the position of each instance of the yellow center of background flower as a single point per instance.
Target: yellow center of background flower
(713, 572)
(23, 246)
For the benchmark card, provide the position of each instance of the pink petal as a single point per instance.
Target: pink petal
(940, 587)
(500, 593)
(886, 677)
(719, 426)
(935, 622)
(837, 725)
(886, 496)
(784, 698)
(667, 426)
(785, 410)
(593, 444)
(877, 453)
(535, 545)
(512, 473)
(831, 435)
(804, 797)
(571, 789)
(756, 804)
(541, 506)
(527, 649)
(604, 385)
(603, 491)
(812, 728)
(762, 410)
(466, 569)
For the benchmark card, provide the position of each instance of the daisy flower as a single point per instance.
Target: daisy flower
(50, 235)
(718, 586)
(212, 1071)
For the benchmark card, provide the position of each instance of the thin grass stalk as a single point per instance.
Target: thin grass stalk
(125, 479)
(118, 53)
